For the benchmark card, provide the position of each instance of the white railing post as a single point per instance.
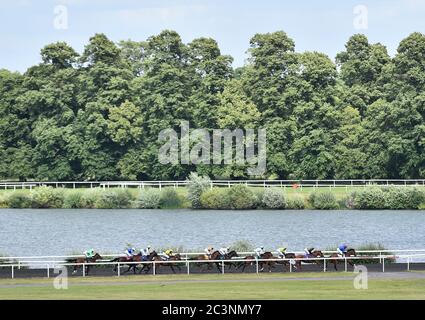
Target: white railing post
(290, 266)
(408, 263)
(345, 262)
(84, 269)
(324, 265)
(48, 272)
(383, 264)
(188, 267)
(119, 269)
(222, 267)
(256, 265)
(154, 268)
(13, 273)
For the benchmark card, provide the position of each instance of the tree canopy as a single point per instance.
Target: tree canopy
(97, 115)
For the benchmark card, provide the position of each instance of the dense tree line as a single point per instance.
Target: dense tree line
(97, 115)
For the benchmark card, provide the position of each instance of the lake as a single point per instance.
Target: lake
(60, 232)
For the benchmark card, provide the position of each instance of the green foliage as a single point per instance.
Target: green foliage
(296, 203)
(46, 198)
(323, 200)
(242, 246)
(150, 199)
(18, 200)
(195, 187)
(240, 197)
(273, 199)
(113, 199)
(215, 198)
(170, 199)
(74, 200)
(97, 116)
(394, 198)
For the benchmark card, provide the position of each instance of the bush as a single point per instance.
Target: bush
(403, 198)
(240, 197)
(324, 200)
(114, 199)
(387, 198)
(46, 197)
(296, 203)
(273, 199)
(89, 198)
(170, 199)
(150, 199)
(242, 246)
(258, 196)
(215, 198)
(195, 187)
(18, 200)
(74, 200)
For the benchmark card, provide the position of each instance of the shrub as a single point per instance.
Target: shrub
(18, 200)
(46, 197)
(296, 203)
(387, 198)
(170, 199)
(89, 198)
(113, 199)
(195, 187)
(242, 246)
(150, 199)
(215, 198)
(240, 197)
(73, 200)
(258, 196)
(323, 200)
(3, 202)
(403, 198)
(369, 198)
(273, 199)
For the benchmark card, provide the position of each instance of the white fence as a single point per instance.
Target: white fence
(222, 263)
(215, 183)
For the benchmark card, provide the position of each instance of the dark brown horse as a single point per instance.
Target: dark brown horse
(130, 262)
(175, 258)
(349, 253)
(261, 264)
(85, 260)
(214, 256)
(286, 263)
(309, 259)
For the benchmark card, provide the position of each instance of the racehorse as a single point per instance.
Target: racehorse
(264, 256)
(349, 253)
(127, 260)
(309, 259)
(285, 262)
(85, 260)
(175, 257)
(214, 256)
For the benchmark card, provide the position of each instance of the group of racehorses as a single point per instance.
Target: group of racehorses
(290, 260)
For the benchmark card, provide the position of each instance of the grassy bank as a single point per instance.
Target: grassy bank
(210, 287)
(236, 198)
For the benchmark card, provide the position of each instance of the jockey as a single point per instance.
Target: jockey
(342, 250)
(308, 252)
(146, 252)
(281, 253)
(168, 254)
(224, 251)
(259, 251)
(129, 253)
(89, 254)
(209, 251)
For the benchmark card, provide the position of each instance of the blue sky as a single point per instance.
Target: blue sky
(27, 25)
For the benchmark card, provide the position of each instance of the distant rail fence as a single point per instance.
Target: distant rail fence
(8, 185)
(222, 263)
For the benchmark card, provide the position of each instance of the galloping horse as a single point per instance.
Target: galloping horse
(214, 256)
(286, 263)
(85, 260)
(176, 257)
(123, 260)
(310, 259)
(264, 256)
(349, 253)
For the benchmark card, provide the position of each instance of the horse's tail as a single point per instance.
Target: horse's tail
(114, 260)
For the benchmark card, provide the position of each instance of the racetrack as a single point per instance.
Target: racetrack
(107, 271)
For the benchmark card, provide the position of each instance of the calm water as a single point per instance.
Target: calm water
(50, 232)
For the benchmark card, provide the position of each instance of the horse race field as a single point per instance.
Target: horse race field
(400, 285)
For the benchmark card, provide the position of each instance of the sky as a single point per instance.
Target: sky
(28, 25)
